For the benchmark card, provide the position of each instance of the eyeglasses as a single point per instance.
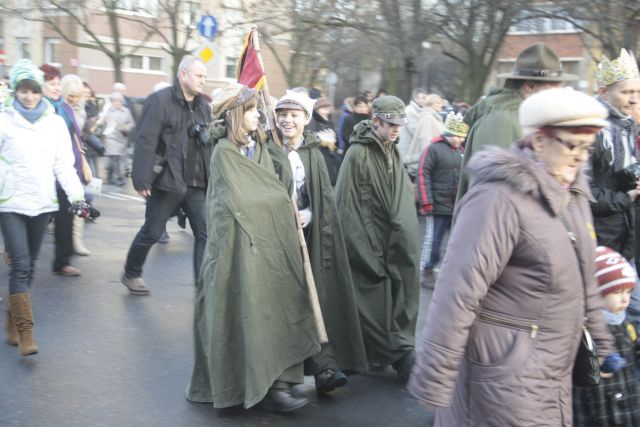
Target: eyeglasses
(575, 149)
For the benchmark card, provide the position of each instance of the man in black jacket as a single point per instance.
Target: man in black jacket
(171, 166)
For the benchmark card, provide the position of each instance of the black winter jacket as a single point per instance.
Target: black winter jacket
(163, 139)
(613, 210)
(438, 175)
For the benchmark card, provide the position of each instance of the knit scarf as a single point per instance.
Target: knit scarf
(30, 115)
(613, 318)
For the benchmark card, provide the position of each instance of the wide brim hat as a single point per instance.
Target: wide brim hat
(540, 63)
(231, 96)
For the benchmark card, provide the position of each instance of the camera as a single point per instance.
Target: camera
(200, 132)
(626, 178)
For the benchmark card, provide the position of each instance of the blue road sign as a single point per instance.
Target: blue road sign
(208, 26)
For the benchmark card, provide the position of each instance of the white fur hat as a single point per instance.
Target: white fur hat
(562, 107)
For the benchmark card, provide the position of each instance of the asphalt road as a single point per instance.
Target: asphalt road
(110, 359)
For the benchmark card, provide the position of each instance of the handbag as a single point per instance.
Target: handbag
(586, 369)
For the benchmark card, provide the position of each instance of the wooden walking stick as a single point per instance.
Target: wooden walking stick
(308, 274)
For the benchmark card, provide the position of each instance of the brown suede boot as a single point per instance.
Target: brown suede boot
(20, 307)
(10, 329)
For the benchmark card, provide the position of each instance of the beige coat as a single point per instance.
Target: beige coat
(510, 265)
(429, 127)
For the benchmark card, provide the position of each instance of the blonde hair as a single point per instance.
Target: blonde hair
(71, 84)
(234, 119)
(432, 99)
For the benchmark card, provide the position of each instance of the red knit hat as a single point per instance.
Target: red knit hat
(613, 271)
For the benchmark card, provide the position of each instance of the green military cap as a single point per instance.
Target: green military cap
(390, 109)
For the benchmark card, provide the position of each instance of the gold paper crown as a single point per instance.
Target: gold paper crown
(455, 125)
(622, 68)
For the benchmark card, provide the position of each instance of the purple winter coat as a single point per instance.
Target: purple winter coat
(504, 325)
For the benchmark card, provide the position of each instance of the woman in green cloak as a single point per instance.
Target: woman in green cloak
(253, 324)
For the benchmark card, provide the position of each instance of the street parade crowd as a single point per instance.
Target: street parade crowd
(308, 254)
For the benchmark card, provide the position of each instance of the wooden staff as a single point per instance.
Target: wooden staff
(308, 274)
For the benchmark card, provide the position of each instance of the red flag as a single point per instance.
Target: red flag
(250, 71)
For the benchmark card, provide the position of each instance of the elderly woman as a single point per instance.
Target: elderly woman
(35, 151)
(118, 122)
(505, 322)
(73, 92)
(253, 322)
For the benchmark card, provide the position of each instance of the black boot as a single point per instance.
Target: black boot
(281, 400)
(404, 365)
(328, 380)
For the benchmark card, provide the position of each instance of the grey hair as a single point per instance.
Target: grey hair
(188, 61)
(70, 84)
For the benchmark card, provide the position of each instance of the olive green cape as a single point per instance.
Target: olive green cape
(253, 320)
(382, 235)
(492, 121)
(329, 262)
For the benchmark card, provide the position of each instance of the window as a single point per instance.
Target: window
(146, 7)
(136, 62)
(24, 48)
(51, 51)
(146, 63)
(230, 68)
(540, 24)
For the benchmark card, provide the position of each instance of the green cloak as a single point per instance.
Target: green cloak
(382, 235)
(329, 262)
(253, 322)
(493, 121)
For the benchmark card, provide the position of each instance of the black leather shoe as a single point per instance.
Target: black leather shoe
(281, 400)
(328, 380)
(404, 365)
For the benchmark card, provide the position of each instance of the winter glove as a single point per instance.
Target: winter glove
(80, 208)
(613, 363)
(304, 216)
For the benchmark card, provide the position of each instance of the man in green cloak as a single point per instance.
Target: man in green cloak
(375, 201)
(494, 120)
(303, 170)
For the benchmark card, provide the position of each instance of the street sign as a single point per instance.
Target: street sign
(3, 56)
(205, 52)
(208, 26)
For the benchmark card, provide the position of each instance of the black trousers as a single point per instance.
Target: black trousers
(63, 234)
(160, 207)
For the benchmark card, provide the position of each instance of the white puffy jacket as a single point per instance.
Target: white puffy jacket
(32, 156)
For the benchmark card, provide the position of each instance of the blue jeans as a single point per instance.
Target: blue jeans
(441, 224)
(22, 239)
(160, 207)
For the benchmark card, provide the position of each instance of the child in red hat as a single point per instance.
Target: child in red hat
(614, 401)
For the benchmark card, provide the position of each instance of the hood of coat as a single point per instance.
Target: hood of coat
(363, 133)
(311, 140)
(520, 171)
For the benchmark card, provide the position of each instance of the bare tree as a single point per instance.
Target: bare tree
(612, 24)
(66, 16)
(471, 32)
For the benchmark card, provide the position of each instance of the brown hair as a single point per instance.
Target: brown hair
(234, 118)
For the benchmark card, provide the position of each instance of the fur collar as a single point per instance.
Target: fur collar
(520, 171)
